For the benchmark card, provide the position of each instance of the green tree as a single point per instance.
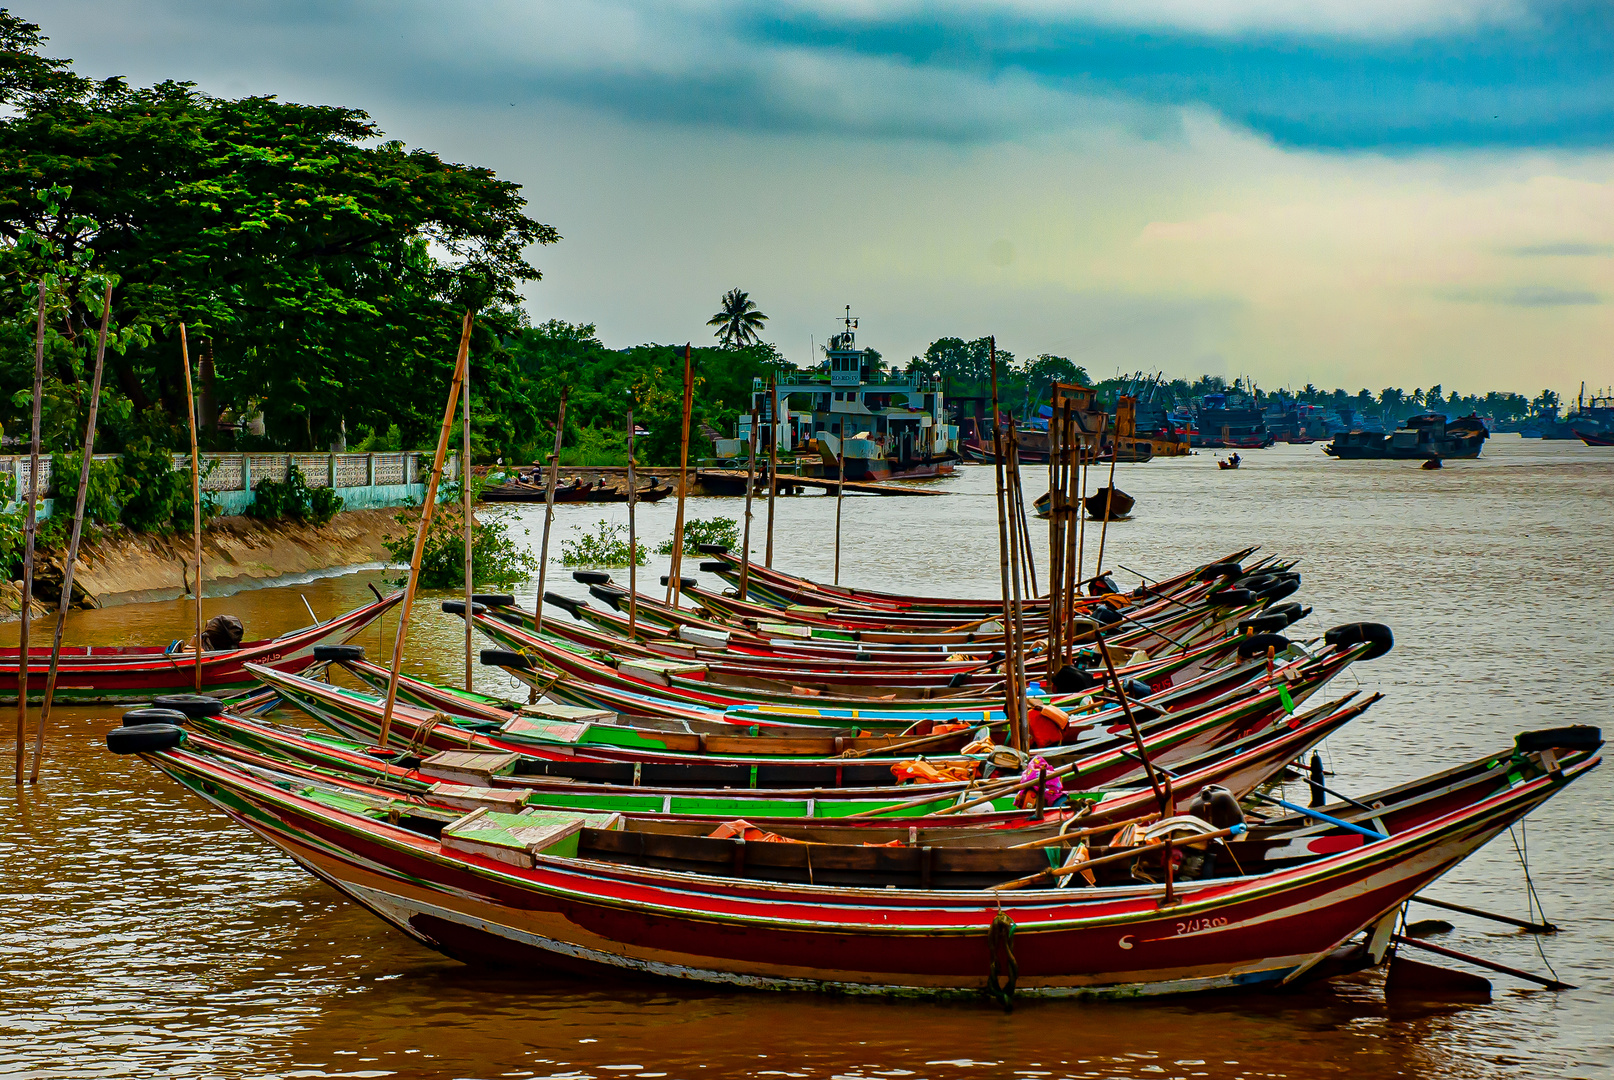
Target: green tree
(321, 272)
(739, 322)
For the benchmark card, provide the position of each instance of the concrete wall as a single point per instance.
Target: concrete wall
(364, 481)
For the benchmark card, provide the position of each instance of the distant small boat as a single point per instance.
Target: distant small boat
(1432, 463)
(1109, 502)
(1596, 438)
(1227, 463)
(1043, 505)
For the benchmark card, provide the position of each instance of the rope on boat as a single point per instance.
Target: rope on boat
(1000, 938)
(1532, 899)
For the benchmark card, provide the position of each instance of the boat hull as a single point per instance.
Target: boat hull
(588, 916)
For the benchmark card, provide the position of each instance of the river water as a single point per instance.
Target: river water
(143, 935)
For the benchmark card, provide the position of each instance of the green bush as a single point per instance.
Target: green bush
(725, 531)
(593, 447)
(156, 497)
(495, 559)
(606, 547)
(108, 487)
(292, 499)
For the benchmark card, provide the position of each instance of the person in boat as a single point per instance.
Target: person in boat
(1235, 460)
(222, 633)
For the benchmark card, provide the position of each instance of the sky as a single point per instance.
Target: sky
(1356, 193)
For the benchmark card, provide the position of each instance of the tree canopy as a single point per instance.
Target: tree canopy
(321, 270)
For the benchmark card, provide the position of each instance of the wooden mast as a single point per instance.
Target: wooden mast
(1109, 499)
(549, 511)
(675, 583)
(773, 465)
(66, 599)
(465, 509)
(196, 499)
(426, 509)
(30, 524)
(750, 486)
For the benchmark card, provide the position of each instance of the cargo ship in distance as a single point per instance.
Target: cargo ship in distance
(1427, 437)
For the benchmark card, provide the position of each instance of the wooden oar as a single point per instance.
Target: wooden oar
(29, 526)
(425, 523)
(196, 498)
(1137, 736)
(1082, 834)
(66, 599)
(1550, 984)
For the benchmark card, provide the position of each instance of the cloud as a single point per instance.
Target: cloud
(1373, 19)
(1339, 75)
(1525, 296)
(1568, 249)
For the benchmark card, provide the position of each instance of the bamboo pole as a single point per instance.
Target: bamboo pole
(633, 540)
(840, 494)
(675, 570)
(426, 509)
(465, 508)
(30, 524)
(1015, 638)
(750, 485)
(66, 599)
(1109, 502)
(549, 511)
(773, 466)
(1056, 519)
(196, 499)
(1012, 692)
(1073, 512)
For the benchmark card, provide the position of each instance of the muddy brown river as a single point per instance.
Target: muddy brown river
(144, 935)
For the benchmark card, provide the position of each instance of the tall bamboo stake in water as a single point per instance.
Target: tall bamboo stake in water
(773, 466)
(549, 510)
(465, 509)
(30, 523)
(633, 540)
(426, 510)
(1015, 638)
(840, 493)
(675, 584)
(1109, 501)
(750, 485)
(196, 499)
(1012, 693)
(65, 600)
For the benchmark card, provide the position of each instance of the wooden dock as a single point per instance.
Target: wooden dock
(730, 477)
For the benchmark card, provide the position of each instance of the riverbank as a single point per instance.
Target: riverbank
(121, 567)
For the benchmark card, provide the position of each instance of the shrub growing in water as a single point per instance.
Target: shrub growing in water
(725, 531)
(606, 547)
(495, 559)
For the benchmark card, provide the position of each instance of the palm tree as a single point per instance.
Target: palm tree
(739, 322)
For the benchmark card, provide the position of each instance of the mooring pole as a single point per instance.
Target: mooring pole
(465, 509)
(750, 485)
(675, 570)
(65, 600)
(549, 511)
(426, 509)
(30, 523)
(196, 498)
(773, 466)
(633, 541)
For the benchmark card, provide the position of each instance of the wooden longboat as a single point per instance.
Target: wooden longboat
(802, 590)
(1014, 836)
(1239, 766)
(141, 672)
(590, 906)
(540, 662)
(1100, 756)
